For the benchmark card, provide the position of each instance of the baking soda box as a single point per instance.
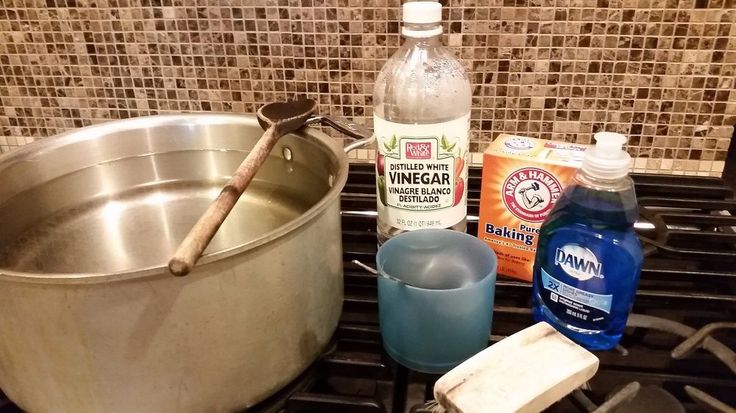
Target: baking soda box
(522, 180)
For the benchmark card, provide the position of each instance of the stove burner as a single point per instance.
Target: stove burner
(721, 351)
(648, 399)
(613, 402)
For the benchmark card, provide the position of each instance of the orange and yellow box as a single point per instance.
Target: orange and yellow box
(522, 179)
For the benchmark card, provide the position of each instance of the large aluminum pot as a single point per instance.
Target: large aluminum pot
(90, 318)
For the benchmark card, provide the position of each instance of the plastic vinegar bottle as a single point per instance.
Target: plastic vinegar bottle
(421, 121)
(589, 258)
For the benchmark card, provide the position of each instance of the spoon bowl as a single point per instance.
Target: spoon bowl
(278, 119)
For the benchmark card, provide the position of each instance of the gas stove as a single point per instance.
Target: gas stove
(676, 356)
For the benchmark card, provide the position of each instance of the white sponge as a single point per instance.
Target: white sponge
(525, 372)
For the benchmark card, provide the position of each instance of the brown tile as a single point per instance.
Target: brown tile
(657, 69)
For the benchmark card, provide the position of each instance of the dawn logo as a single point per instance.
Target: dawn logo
(578, 262)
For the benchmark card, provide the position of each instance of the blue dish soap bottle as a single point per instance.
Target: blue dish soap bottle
(589, 258)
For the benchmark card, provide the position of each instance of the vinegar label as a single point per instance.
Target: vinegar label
(421, 173)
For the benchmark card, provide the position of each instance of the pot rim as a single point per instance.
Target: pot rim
(46, 145)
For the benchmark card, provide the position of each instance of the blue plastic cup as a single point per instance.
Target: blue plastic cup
(442, 315)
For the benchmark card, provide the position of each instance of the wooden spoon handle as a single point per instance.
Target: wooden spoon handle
(201, 234)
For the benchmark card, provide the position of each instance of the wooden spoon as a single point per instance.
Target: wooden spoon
(280, 118)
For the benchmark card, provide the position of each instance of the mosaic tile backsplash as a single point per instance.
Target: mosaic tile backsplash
(660, 71)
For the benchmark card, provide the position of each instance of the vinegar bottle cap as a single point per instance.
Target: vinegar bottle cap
(421, 13)
(607, 159)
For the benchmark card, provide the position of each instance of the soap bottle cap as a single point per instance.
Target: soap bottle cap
(607, 159)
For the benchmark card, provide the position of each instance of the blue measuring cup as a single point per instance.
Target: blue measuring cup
(440, 313)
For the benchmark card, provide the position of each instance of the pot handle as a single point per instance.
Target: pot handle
(360, 133)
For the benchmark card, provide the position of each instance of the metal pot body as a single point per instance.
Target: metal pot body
(91, 320)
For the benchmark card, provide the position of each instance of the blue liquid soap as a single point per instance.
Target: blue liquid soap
(589, 258)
